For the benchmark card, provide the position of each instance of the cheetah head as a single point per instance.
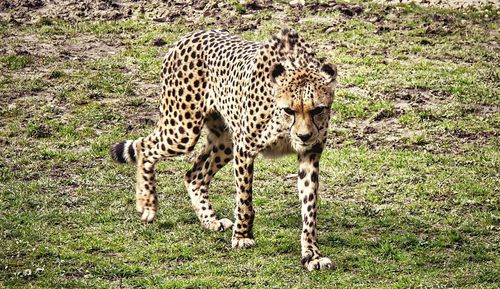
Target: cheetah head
(304, 99)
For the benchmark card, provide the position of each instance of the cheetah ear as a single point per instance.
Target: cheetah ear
(277, 71)
(329, 71)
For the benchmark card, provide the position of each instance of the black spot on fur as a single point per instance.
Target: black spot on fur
(317, 148)
(277, 71)
(306, 260)
(314, 177)
(328, 69)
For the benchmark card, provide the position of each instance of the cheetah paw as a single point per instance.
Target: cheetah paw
(318, 263)
(219, 225)
(243, 242)
(148, 214)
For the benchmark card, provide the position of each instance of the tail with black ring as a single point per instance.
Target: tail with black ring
(124, 152)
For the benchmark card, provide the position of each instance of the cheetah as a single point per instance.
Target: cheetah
(271, 98)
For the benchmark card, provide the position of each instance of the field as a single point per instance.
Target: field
(410, 182)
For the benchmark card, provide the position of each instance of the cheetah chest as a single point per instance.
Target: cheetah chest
(279, 147)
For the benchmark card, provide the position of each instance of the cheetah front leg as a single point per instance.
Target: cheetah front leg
(244, 213)
(308, 183)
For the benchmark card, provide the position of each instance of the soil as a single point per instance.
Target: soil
(446, 3)
(32, 10)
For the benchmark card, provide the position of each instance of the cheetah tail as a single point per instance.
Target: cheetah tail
(124, 152)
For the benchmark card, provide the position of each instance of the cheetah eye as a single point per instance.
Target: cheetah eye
(317, 110)
(289, 111)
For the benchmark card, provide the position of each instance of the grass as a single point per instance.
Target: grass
(409, 185)
(15, 62)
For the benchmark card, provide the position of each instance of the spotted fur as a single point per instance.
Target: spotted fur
(270, 98)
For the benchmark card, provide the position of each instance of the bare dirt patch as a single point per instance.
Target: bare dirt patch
(76, 47)
(445, 3)
(71, 10)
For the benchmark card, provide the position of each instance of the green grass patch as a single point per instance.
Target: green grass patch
(15, 62)
(409, 187)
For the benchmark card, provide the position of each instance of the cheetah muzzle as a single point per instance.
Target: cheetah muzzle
(272, 98)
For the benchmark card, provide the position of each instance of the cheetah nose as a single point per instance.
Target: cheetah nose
(304, 137)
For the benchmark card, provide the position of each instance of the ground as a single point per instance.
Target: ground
(410, 184)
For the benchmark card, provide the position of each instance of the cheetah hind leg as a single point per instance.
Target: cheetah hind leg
(217, 153)
(158, 146)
